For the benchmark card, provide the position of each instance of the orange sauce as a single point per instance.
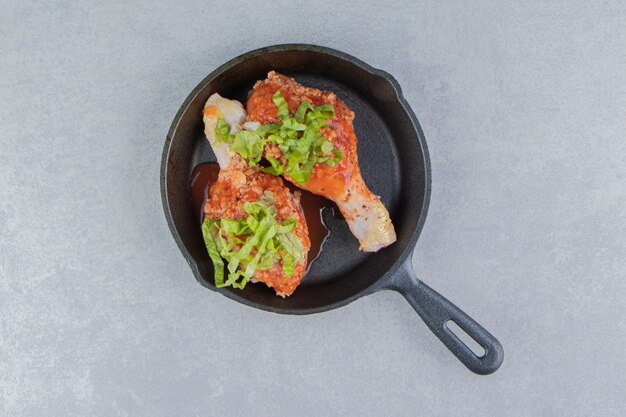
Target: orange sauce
(212, 111)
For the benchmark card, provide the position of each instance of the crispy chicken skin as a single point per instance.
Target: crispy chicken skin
(238, 183)
(366, 215)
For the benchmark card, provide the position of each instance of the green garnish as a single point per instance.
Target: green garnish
(298, 137)
(248, 145)
(254, 243)
(222, 130)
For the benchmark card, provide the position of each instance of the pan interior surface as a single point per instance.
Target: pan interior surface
(391, 158)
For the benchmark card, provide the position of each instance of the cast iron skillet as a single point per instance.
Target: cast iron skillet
(394, 162)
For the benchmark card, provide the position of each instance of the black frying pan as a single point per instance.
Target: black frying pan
(394, 163)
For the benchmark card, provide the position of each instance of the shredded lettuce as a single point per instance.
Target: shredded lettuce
(214, 254)
(222, 131)
(249, 145)
(255, 243)
(281, 103)
(298, 137)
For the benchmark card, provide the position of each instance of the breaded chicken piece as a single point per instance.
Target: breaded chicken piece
(238, 183)
(366, 215)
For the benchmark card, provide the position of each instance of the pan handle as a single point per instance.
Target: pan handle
(437, 311)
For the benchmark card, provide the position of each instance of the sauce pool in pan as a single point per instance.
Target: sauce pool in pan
(205, 174)
(202, 177)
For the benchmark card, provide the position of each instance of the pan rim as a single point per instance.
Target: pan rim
(380, 282)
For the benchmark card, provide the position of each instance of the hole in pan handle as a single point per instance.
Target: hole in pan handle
(437, 311)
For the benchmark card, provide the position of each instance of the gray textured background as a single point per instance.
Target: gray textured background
(523, 106)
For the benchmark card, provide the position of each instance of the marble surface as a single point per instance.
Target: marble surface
(523, 106)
